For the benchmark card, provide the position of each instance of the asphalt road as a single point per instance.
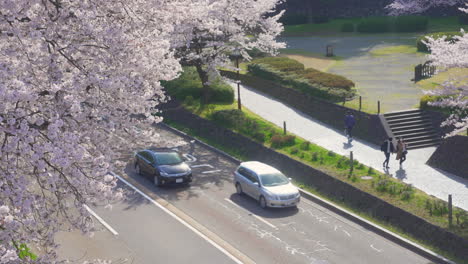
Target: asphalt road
(308, 234)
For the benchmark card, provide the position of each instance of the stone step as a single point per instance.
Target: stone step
(427, 126)
(397, 120)
(415, 138)
(401, 113)
(406, 116)
(405, 134)
(424, 142)
(410, 123)
(403, 131)
(423, 145)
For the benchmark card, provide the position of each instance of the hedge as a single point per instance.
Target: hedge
(291, 73)
(189, 84)
(374, 25)
(424, 48)
(293, 19)
(347, 27)
(411, 23)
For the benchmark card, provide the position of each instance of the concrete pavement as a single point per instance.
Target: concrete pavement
(414, 171)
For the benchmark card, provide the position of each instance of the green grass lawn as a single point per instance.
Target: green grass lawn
(400, 49)
(436, 24)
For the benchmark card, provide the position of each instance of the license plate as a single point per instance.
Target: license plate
(179, 180)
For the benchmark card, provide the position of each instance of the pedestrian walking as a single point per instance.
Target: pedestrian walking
(388, 149)
(349, 121)
(401, 150)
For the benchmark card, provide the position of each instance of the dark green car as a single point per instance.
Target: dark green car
(163, 167)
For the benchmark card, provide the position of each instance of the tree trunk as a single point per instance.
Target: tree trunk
(204, 78)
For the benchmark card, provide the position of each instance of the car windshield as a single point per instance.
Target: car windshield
(168, 158)
(273, 179)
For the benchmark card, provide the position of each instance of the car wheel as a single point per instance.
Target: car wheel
(156, 181)
(137, 169)
(239, 189)
(263, 203)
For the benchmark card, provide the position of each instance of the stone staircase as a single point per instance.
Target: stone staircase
(415, 127)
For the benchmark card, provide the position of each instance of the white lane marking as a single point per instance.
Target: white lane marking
(202, 165)
(211, 171)
(178, 219)
(189, 157)
(378, 250)
(346, 232)
(106, 225)
(256, 216)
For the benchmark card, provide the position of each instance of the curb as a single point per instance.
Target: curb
(339, 210)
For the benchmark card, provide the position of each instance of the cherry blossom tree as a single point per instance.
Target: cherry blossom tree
(218, 27)
(74, 77)
(418, 6)
(446, 55)
(71, 74)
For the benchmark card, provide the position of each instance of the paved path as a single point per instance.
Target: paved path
(385, 78)
(414, 171)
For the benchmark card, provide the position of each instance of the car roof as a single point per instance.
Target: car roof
(159, 151)
(258, 167)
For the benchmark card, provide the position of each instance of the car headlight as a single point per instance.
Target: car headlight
(164, 174)
(272, 196)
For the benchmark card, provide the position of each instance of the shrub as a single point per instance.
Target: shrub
(331, 153)
(294, 151)
(407, 192)
(290, 73)
(283, 64)
(374, 25)
(320, 19)
(314, 156)
(189, 100)
(449, 37)
(259, 136)
(302, 155)
(279, 141)
(382, 184)
(370, 171)
(327, 79)
(361, 166)
(231, 118)
(293, 19)
(189, 84)
(347, 27)
(411, 23)
(305, 145)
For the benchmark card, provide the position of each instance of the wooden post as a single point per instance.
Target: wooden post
(360, 103)
(450, 210)
(378, 107)
(239, 104)
(351, 167)
(284, 127)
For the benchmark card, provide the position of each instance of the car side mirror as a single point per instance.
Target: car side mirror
(256, 184)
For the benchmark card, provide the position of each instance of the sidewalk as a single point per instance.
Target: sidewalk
(414, 171)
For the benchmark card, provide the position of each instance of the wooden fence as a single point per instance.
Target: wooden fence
(423, 71)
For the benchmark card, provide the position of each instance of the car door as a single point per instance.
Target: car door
(243, 179)
(249, 183)
(255, 186)
(146, 160)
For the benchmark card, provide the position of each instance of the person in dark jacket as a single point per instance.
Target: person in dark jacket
(349, 123)
(387, 148)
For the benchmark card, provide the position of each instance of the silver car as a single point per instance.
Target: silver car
(265, 184)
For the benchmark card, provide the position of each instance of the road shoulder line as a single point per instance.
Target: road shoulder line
(106, 225)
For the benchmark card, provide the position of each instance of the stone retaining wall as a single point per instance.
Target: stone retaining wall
(452, 156)
(324, 183)
(368, 126)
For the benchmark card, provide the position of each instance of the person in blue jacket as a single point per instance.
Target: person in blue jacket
(349, 124)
